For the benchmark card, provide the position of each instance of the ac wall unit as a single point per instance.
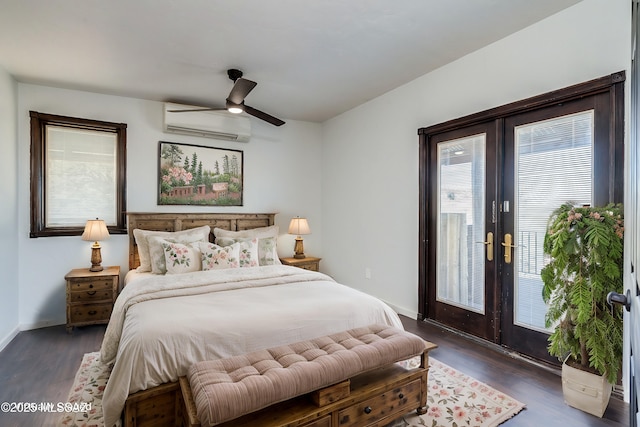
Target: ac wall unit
(207, 124)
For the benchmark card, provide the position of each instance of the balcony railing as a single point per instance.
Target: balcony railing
(530, 254)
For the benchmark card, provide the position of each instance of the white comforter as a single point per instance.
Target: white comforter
(161, 325)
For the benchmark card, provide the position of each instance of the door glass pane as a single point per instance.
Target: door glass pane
(553, 165)
(461, 215)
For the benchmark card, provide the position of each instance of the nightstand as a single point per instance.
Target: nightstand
(91, 295)
(308, 263)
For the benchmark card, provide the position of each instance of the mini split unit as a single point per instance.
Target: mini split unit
(206, 124)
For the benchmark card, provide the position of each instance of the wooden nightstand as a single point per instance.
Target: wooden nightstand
(91, 295)
(308, 263)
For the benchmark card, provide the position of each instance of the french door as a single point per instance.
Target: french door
(463, 225)
(488, 188)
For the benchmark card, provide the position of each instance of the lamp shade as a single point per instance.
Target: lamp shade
(299, 226)
(95, 230)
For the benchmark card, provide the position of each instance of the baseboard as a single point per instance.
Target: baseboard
(6, 340)
(40, 324)
(403, 311)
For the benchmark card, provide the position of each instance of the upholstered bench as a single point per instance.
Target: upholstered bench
(327, 381)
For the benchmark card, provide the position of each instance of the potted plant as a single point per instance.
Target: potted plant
(585, 245)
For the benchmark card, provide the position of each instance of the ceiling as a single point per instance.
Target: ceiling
(312, 59)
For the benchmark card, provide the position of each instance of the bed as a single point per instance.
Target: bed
(163, 323)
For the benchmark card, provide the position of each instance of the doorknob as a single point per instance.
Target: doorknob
(508, 244)
(616, 298)
(489, 244)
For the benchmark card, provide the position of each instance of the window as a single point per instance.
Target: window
(78, 172)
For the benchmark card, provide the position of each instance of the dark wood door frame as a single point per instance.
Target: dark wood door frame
(613, 84)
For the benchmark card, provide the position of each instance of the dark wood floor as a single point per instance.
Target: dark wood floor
(538, 387)
(40, 365)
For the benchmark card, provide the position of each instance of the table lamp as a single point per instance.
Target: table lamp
(299, 226)
(95, 230)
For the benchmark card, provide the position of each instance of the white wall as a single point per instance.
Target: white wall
(361, 200)
(9, 213)
(370, 163)
(280, 176)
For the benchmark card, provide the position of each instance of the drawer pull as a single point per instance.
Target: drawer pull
(91, 292)
(367, 410)
(93, 312)
(401, 396)
(91, 286)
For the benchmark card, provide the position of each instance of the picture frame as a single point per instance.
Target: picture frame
(199, 175)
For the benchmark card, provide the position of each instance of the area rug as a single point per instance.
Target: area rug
(454, 399)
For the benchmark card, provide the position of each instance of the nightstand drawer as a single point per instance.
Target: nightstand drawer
(398, 401)
(307, 263)
(91, 284)
(90, 313)
(91, 296)
(311, 267)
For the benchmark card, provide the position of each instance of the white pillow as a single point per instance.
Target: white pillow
(216, 257)
(181, 258)
(143, 246)
(267, 241)
(260, 232)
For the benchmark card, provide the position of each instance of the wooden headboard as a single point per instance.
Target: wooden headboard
(184, 221)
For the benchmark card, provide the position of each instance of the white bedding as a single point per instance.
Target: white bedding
(161, 325)
(135, 275)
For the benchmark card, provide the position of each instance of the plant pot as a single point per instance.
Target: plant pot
(585, 391)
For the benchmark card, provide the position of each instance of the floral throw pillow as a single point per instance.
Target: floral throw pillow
(216, 257)
(249, 253)
(180, 258)
(142, 238)
(157, 251)
(267, 239)
(267, 248)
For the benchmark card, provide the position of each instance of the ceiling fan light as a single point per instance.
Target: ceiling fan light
(234, 108)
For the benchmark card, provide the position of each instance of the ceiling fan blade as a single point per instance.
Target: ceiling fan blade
(263, 116)
(240, 90)
(196, 109)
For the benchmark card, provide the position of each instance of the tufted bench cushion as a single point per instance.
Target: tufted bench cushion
(228, 388)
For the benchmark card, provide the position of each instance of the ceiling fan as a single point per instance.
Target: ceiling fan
(235, 101)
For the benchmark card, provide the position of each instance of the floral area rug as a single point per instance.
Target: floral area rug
(454, 399)
(88, 386)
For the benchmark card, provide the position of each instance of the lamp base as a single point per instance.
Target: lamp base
(299, 249)
(96, 258)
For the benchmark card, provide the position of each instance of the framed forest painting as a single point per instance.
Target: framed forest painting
(198, 175)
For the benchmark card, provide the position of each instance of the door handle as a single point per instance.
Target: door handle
(489, 244)
(624, 300)
(508, 245)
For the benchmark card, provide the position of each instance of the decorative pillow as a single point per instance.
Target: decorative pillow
(267, 253)
(216, 257)
(141, 237)
(248, 253)
(267, 241)
(157, 251)
(181, 258)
